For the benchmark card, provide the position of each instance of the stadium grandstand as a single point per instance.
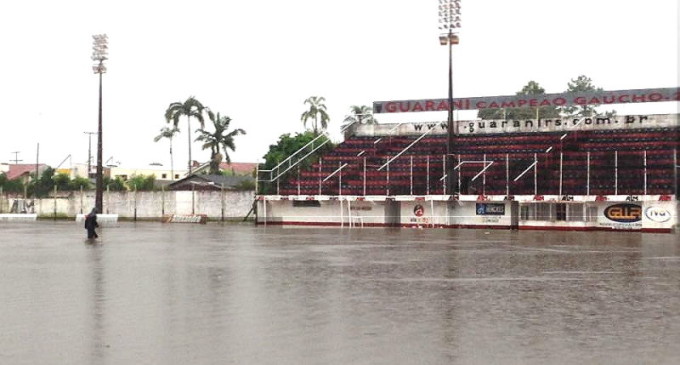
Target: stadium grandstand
(600, 172)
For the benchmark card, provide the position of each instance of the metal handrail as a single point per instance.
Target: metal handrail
(405, 149)
(335, 172)
(288, 160)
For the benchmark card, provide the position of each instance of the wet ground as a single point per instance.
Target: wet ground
(152, 293)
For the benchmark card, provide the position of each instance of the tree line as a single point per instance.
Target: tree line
(219, 139)
(50, 180)
(580, 84)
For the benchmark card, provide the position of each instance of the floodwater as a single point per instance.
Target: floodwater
(153, 293)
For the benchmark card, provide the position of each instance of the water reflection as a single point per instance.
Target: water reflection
(95, 271)
(178, 294)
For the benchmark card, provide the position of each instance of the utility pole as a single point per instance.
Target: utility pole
(89, 152)
(16, 157)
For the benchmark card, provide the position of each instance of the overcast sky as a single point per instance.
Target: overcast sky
(257, 61)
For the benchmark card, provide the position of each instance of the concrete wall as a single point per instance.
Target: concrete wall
(327, 213)
(651, 215)
(153, 204)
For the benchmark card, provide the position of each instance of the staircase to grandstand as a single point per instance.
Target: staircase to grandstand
(592, 162)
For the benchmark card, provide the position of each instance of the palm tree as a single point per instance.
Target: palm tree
(361, 115)
(219, 138)
(317, 110)
(191, 108)
(168, 133)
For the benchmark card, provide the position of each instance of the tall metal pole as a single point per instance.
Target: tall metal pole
(449, 125)
(449, 19)
(99, 54)
(100, 181)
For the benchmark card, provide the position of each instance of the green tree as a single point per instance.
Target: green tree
(221, 137)
(288, 145)
(580, 85)
(116, 184)
(11, 186)
(80, 182)
(45, 184)
(191, 108)
(168, 133)
(141, 182)
(361, 115)
(317, 112)
(62, 181)
(532, 88)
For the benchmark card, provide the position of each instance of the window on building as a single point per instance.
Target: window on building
(164, 176)
(525, 212)
(592, 214)
(575, 213)
(561, 212)
(543, 211)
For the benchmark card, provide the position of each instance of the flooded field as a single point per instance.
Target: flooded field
(152, 293)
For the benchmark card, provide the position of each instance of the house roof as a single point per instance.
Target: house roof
(18, 170)
(239, 168)
(208, 182)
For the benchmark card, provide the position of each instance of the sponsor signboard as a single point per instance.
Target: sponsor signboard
(542, 125)
(622, 216)
(657, 214)
(624, 213)
(490, 209)
(531, 101)
(188, 218)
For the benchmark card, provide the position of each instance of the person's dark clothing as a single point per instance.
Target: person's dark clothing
(91, 224)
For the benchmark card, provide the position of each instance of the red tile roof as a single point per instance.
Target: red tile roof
(239, 168)
(19, 170)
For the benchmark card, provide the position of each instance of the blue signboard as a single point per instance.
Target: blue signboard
(490, 209)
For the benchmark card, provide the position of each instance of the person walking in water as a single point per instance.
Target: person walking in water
(91, 223)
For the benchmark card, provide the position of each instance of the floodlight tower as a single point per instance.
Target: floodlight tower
(449, 23)
(100, 50)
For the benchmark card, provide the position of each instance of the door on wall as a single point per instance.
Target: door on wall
(392, 213)
(514, 214)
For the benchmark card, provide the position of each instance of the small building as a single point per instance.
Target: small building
(23, 171)
(232, 168)
(160, 172)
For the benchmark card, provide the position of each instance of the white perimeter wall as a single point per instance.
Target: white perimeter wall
(328, 212)
(654, 215)
(236, 204)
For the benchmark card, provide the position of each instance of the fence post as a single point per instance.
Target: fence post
(55, 203)
(135, 202)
